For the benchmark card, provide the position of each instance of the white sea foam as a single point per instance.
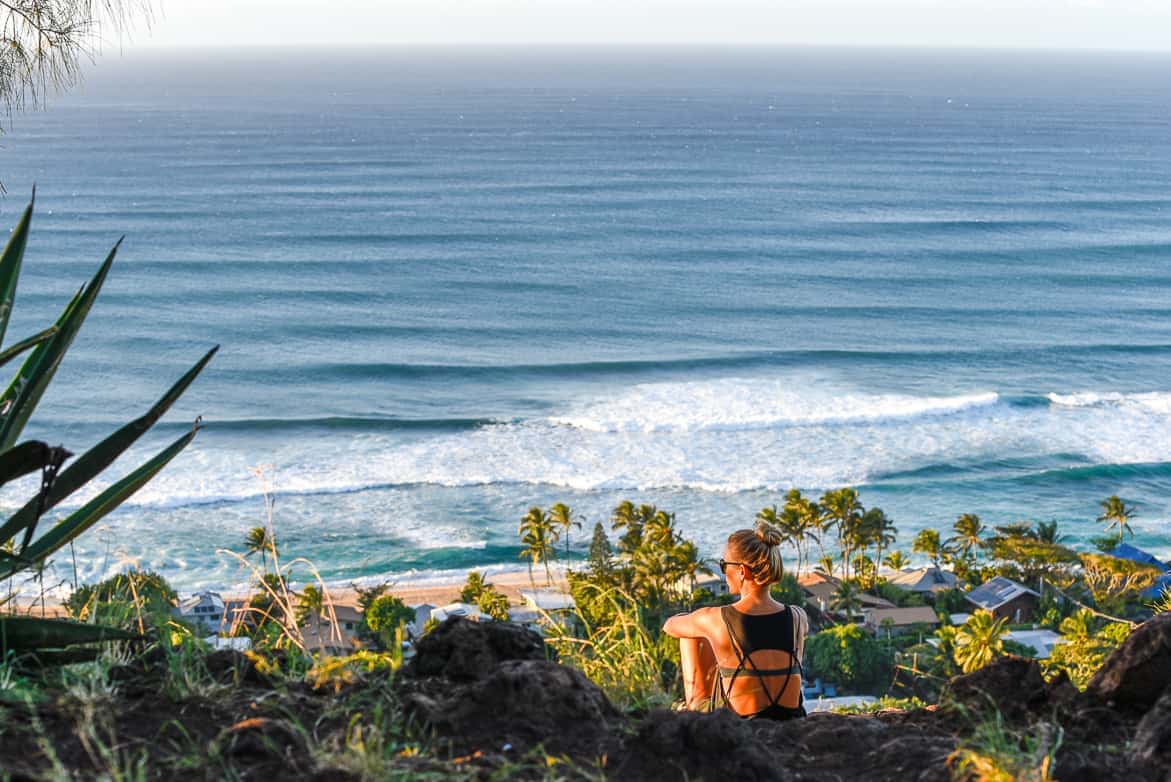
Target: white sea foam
(735, 404)
(1153, 401)
(715, 436)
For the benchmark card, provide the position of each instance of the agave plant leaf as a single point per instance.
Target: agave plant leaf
(25, 458)
(12, 351)
(98, 458)
(10, 264)
(30, 382)
(86, 516)
(26, 633)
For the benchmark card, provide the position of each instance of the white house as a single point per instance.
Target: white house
(548, 600)
(423, 614)
(466, 610)
(924, 580)
(204, 610)
(1042, 641)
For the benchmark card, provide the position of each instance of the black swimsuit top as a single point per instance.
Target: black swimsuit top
(750, 633)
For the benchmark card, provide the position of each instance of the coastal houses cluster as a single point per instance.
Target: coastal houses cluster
(337, 631)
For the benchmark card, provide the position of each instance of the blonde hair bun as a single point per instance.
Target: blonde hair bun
(770, 535)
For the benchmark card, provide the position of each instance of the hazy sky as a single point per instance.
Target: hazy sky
(1098, 24)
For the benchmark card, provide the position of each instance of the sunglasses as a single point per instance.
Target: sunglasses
(724, 564)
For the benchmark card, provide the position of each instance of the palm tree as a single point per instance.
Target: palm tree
(539, 537)
(1046, 532)
(979, 641)
(896, 560)
(310, 603)
(258, 540)
(1116, 514)
(969, 535)
(881, 531)
(928, 542)
(844, 511)
(787, 523)
(845, 600)
(627, 517)
(825, 566)
(803, 517)
(561, 516)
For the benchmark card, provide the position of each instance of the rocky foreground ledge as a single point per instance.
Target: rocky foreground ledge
(481, 701)
(488, 689)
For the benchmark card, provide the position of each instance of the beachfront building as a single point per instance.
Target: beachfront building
(548, 600)
(891, 622)
(1042, 641)
(540, 606)
(334, 632)
(714, 584)
(819, 590)
(423, 614)
(1005, 599)
(203, 611)
(466, 610)
(925, 581)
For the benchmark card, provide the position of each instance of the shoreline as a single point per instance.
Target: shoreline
(437, 589)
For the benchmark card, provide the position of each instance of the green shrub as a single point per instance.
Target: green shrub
(849, 656)
(125, 601)
(384, 616)
(788, 591)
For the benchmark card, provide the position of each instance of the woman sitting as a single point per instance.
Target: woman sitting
(747, 655)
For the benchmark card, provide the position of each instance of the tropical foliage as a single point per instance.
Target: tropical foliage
(24, 549)
(849, 655)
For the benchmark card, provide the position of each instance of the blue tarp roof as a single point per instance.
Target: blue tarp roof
(1135, 554)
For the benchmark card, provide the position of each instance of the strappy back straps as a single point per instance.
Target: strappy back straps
(747, 667)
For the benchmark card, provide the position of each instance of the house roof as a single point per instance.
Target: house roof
(996, 592)
(1135, 554)
(902, 617)
(821, 587)
(187, 605)
(923, 579)
(457, 609)
(548, 600)
(1042, 641)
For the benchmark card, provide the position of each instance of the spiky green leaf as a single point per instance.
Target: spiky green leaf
(30, 633)
(89, 514)
(12, 351)
(10, 264)
(28, 456)
(102, 455)
(22, 396)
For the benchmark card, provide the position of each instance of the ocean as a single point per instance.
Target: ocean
(454, 283)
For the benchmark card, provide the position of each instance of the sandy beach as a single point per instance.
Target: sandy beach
(439, 592)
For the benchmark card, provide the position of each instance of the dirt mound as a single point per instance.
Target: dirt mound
(517, 705)
(1151, 748)
(1011, 685)
(690, 745)
(1139, 670)
(463, 650)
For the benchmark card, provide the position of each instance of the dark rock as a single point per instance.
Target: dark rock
(521, 703)
(464, 650)
(911, 755)
(1151, 747)
(1135, 674)
(264, 738)
(1011, 685)
(695, 745)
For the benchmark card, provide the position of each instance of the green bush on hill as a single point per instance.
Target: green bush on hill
(849, 656)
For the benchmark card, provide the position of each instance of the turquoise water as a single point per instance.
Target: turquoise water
(450, 285)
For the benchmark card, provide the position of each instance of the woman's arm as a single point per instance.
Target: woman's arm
(687, 625)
